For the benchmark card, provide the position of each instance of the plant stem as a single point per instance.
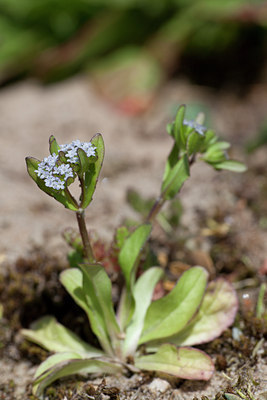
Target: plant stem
(71, 198)
(88, 252)
(155, 209)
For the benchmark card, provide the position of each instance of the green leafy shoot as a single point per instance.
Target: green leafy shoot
(192, 140)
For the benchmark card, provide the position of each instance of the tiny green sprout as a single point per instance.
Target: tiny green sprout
(140, 334)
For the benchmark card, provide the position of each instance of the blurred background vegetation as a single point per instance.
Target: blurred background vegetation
(133, 46)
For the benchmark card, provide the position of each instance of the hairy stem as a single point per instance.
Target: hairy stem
(88, 252)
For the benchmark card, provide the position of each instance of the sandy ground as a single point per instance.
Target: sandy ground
(136, 149)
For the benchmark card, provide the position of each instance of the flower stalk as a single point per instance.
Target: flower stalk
(88, 251)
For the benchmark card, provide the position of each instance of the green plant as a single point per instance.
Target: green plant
(143, 334)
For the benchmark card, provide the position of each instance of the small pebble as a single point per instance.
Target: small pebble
(159, 385)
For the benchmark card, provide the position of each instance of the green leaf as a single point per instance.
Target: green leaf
(171, 313)
(47, 366)
(130, 252)
(97, 291)
(53, 145)
(216, 152)
(230, 165)
(185, 363)
(169, 128)
(92, 174)
(217, 313)
(179, 128)
(142, 293)
(72, 280)
(32, 165)
(66, 364)
(125, 308)
(175, 178)
(53, 360)
(129, 257)
(122, 232)
(210, 139)
(84, 161)
(219, 146)
(194, 143)
(171, 161)
(53, 336)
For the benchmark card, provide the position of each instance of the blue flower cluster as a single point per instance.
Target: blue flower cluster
(54, 172)
(197, 127)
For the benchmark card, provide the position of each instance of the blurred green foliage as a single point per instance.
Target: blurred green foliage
(53, 39)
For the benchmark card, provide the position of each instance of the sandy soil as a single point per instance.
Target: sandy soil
(136, 149)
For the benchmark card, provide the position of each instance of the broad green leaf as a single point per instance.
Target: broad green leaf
(175, 178)
(97, 291)
(230, 165)
(92, 174)
(194, 143)
(171, 313)
(129, 259)
(217, 313)
(185, 363)
(130, 252)
(59, 195)
(53, 145)
(53, 336)
(142, 293)
(72, 280)
(179, 128)
(70, 366)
